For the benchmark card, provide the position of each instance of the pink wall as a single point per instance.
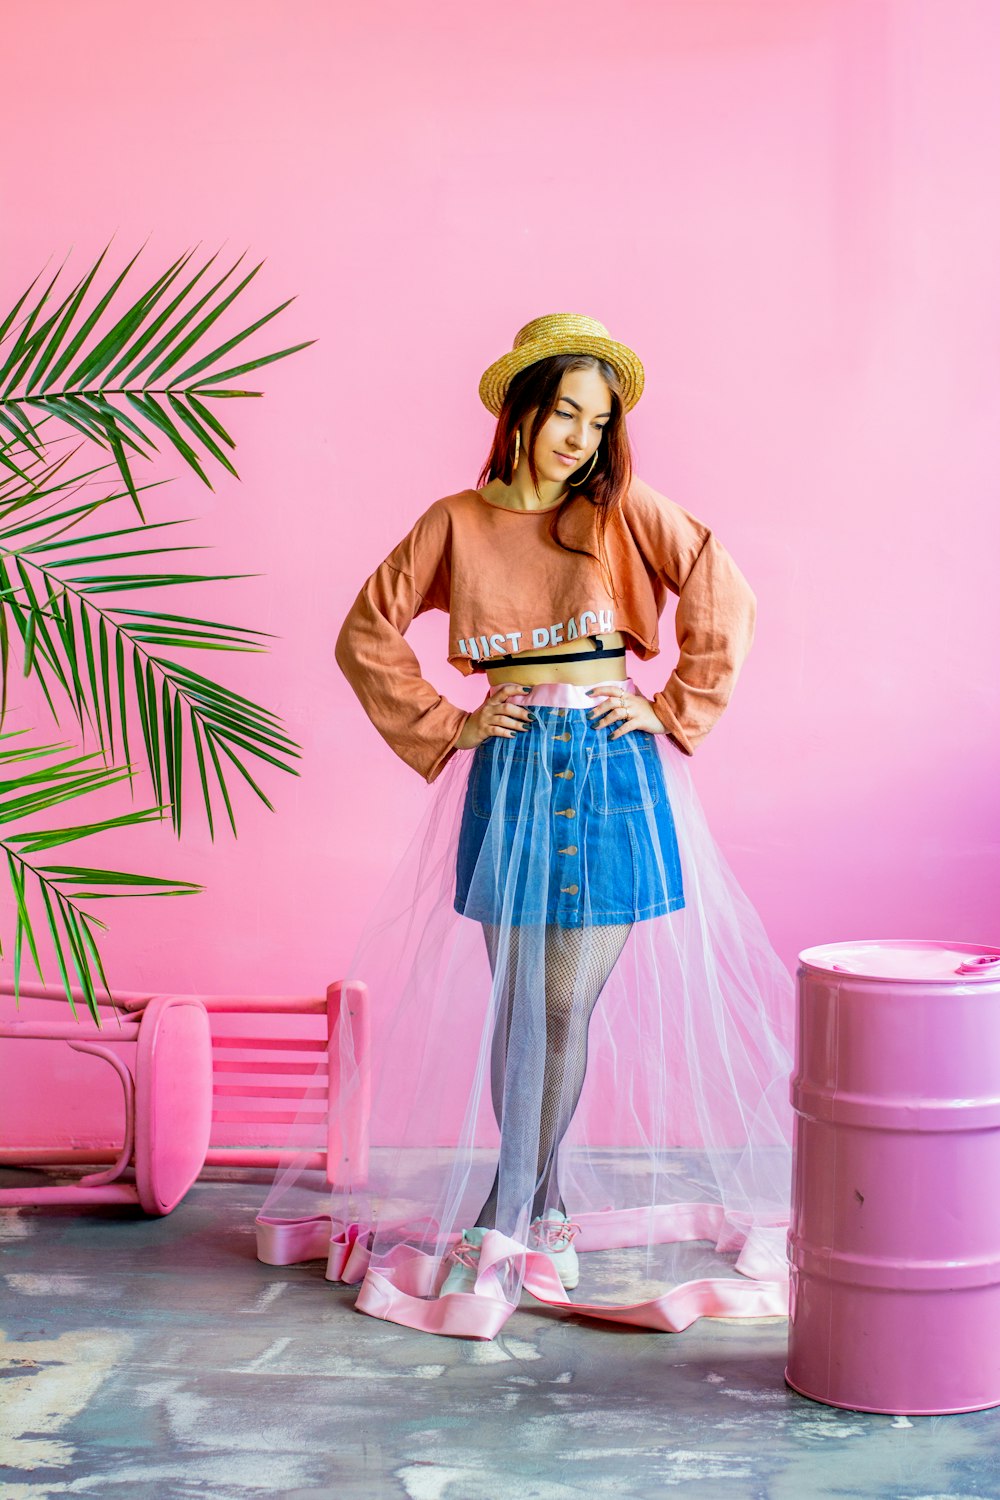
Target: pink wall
(787, 208)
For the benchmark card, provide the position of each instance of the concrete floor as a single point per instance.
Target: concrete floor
(157, 1359)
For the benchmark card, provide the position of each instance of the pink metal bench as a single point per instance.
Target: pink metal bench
(197, 1097)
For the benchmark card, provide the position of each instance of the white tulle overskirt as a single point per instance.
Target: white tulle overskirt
(575, 1010)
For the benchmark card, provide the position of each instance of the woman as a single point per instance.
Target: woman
(589, 1049)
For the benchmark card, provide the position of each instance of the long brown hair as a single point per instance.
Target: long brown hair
(537, 388)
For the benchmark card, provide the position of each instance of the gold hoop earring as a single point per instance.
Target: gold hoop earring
(575, 483)
(517, 450)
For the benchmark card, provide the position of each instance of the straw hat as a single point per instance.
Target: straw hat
(562, 333)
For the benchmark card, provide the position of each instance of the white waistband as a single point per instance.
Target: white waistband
(569, 694)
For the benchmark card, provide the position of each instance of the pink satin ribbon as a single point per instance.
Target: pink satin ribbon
(404, 1288)
(569, 694)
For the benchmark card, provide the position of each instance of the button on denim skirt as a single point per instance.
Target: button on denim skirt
(564, 826)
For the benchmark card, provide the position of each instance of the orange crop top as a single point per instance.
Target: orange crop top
(508, 587)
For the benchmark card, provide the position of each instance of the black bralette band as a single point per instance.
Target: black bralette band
(600, 653)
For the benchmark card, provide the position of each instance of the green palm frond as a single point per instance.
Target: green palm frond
(58, 367)
(57, 579)
(62, 887)
(67, 628)
(142, 384)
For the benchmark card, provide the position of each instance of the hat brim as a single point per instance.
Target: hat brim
(625, 362)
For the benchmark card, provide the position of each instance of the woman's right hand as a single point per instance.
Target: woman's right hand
(497, 716)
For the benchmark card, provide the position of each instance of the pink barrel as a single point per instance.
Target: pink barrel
(894, 1242)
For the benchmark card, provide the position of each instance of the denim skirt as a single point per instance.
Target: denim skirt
(564, 826)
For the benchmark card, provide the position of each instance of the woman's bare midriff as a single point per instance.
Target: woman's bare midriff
(600, 669)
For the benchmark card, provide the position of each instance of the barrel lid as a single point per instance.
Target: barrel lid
(906, 958)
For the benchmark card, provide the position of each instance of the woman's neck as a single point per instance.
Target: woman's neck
(521, 494)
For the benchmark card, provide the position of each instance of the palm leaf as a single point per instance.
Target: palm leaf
(51, 838)
(146, 404)
(23, 430)
(98, 358)
(210, 742)
(21, 351)
(216, 354)
(37, 788)
(11, 317)
(24, 927)
(12, 607)
(148, 332)
(207, 416)
(196, 737)
(194, 334)
(253, 364)
(57, 944)
(154, 731)
(52, 355)
(198, 428)
(173, 334)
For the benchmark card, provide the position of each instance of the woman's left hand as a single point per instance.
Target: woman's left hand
(626, 711)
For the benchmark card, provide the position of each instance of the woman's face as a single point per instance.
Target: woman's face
(570, 436)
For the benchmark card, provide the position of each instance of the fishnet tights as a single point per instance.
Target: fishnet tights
(578, 963)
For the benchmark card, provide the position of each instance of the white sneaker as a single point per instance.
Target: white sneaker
(465, 1267)
(553, 1234)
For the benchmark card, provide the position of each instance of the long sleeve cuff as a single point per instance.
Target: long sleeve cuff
(716, 614)
(671, 723)
(433, 769)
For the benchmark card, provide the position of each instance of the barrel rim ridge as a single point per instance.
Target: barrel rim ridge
(952, 981)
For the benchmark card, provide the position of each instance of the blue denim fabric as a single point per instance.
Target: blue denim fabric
(598, 811)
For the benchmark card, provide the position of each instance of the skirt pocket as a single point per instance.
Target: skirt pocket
(624, 778)
(499, 782)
